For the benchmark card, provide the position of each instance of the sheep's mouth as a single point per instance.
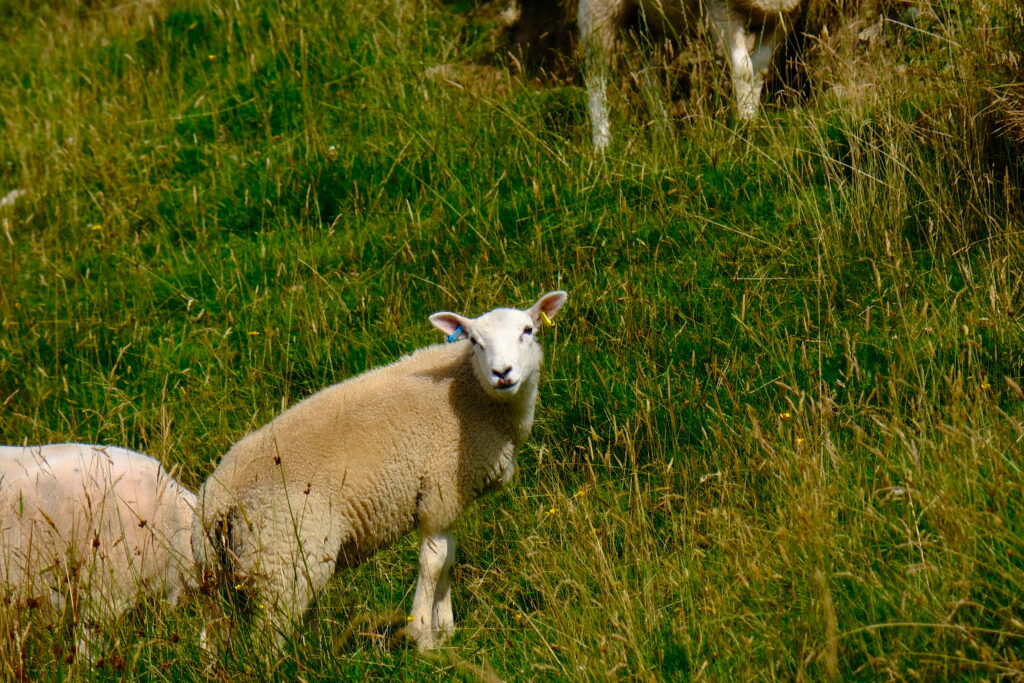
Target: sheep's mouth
(506, 384)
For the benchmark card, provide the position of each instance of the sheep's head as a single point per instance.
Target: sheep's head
(506, 355)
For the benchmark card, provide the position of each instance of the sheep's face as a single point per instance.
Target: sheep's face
(506, 355)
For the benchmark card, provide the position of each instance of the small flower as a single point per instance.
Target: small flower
(985, 386)
(785, 415)
(409, 619)
(254, 333)
(580, 493)
(212, 58)
(799, 440)
(518, 616)
(96, 227)
(239, 586)
(553, 511)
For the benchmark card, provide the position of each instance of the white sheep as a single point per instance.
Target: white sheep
(749, 32)
(92, 526)
(358, 465)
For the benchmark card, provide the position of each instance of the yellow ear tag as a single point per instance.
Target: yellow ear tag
(547, 321)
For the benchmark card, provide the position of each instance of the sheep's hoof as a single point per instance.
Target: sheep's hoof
(601, 140)
(747, 112)
(424, 638)
(412, 635)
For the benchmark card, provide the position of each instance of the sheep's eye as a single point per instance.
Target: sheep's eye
(473, 341)
(527, 331)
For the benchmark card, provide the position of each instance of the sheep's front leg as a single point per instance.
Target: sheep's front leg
(431, 614)
(444, 621)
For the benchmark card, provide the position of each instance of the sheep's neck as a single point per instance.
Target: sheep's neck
(524, 408)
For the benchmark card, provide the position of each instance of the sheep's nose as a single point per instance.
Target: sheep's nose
(503, 373)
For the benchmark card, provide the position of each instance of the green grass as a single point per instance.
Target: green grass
(780, 430)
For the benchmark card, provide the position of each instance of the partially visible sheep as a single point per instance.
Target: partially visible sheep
(358, 465)
(97, 526)
(749, 31)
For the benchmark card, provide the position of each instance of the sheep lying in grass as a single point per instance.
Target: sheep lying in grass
(93, 527)
(358, 465)
(749, 32)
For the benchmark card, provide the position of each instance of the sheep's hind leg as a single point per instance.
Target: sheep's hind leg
(284, 594)
(767, 41)
(431, 614)
(290, 576)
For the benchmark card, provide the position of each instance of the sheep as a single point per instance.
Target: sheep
(749, 32)
(356, 466)
(92, 526)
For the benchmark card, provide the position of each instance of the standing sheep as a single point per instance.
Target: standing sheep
(749, 31)
(358, 465)
(92, 526)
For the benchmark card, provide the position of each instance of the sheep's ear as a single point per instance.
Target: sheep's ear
(451, 324)
(544, 310)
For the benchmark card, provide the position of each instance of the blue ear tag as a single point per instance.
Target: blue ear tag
(454, 336)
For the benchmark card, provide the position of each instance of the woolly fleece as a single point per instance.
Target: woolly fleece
(105, 522)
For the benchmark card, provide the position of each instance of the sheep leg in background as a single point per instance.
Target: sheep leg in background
(597, 105)
(733, 37)
(433, 590)
(598, 25)
(767, 42)
(749, 55)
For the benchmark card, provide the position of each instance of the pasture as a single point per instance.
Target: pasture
(780, 432)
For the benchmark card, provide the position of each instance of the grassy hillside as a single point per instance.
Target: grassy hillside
(781, 427)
